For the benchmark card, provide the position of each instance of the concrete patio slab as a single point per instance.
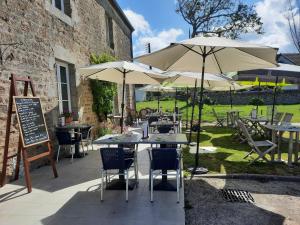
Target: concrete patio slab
(74, 198)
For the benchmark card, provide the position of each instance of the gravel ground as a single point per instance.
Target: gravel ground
(276, 202)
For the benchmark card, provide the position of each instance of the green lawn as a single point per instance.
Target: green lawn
(228, 158)
(221, 109)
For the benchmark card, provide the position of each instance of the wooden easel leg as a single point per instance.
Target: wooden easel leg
(26, 170)
(17, 172)
(51, 159)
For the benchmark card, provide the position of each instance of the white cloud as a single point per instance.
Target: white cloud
(143, 34)
(275, 25)
(138, 21)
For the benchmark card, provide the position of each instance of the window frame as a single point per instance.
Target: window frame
(62, 3)
(59, 89)
(109, 32)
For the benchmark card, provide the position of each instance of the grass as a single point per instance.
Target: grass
(221, 109)
(228, 159)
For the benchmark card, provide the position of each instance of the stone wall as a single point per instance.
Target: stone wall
(243, 98)
(48, 35)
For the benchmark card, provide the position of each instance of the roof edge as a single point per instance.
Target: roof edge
(118, 9)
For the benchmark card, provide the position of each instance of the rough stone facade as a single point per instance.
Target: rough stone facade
(49, 36)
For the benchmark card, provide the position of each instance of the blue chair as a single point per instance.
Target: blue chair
(116, 159)
(164, 159)
(64, 138)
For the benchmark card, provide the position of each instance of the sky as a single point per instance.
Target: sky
(156, 22)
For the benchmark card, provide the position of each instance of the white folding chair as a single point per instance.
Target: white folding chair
(257, 145)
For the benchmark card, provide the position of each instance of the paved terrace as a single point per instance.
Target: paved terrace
(74, 198)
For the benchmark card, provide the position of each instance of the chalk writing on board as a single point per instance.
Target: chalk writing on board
(31, 120)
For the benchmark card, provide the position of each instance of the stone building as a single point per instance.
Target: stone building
(52, 39)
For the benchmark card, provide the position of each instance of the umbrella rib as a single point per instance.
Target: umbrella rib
(179, 57)
(189, 48)
(95, 73)
(217, 62)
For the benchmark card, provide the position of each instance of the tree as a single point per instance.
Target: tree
(293, 17)
(227, 18)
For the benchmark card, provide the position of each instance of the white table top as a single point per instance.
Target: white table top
(288, 128)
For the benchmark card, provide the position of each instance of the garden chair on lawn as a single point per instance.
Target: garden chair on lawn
(277, 118)
(116, 159)
(220, 121)
(164, 159)
(257, 145)
(287, 119)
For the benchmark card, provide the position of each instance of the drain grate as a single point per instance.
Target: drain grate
(234, 195)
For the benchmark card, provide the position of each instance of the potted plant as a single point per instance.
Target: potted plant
(68, 117)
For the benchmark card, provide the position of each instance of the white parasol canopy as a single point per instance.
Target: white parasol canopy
(121, 72)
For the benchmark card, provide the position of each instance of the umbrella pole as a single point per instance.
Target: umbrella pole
(230, 93)
(158, 102)
(175, 99)
(187, 107)
(193, 109)
(122, 105)
(196, 169)
(274, 100)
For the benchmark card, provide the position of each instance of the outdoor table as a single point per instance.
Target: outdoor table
(152, 139)
(76, 127)
(281, 129)
(256, 124)
(166, 123)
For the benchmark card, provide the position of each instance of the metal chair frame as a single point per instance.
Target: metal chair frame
(153, 173)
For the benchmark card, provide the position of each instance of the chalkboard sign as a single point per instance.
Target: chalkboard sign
(31, 120)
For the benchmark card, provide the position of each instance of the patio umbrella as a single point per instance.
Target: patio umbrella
(121, 72)
(213, 55)
(294, 71)
(157, 89)
(193, 79)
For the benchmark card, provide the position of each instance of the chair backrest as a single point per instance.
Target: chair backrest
(152, 119)
(164, 128)
(86, 132)
(112, 158)
(64, 137)
(287, 118)
(143, 113)
(164, 159)
(277, 118)
(215, 113)
(243, 128)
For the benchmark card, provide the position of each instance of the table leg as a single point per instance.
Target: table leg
(227, 118)
(290, 153)
(77, 153)
(278, 146)
(297, 147)
(274, 141)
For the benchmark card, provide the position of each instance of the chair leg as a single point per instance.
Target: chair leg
(58, 151)
(92, 145)
(82, 148)
(72, 153)
(126, 177)
(102, 185)
(177, 185)
(151, 185)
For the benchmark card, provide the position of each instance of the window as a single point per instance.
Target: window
(63, 85)
(63, 5)
(109, 31)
